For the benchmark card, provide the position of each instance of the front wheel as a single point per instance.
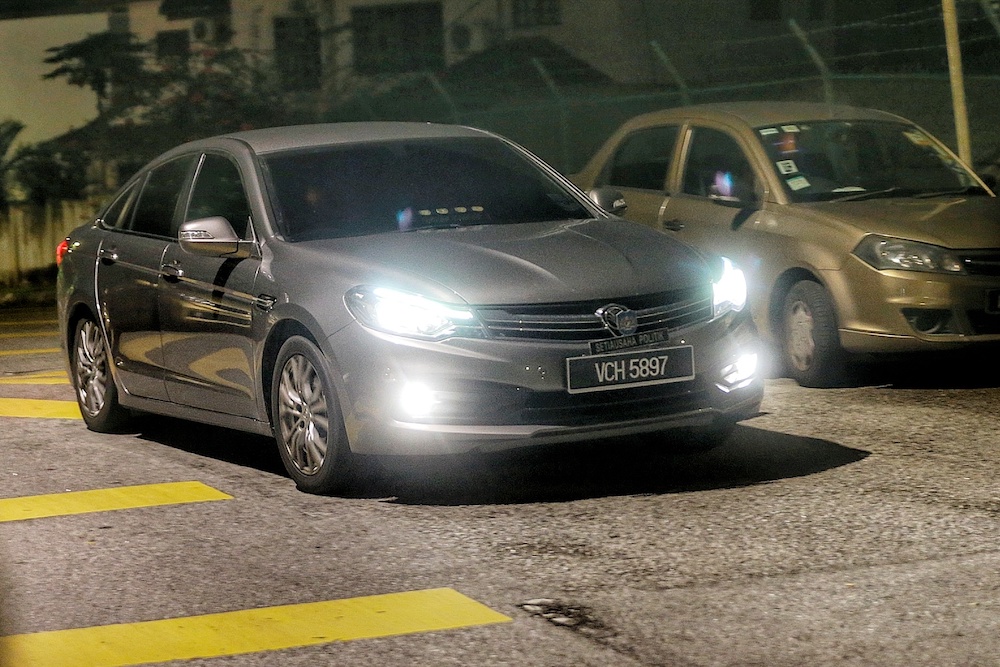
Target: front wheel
(95, 389)
(810, 340)
(308, 426)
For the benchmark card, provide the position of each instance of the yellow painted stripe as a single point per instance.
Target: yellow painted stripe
(41, 377)
(39, 408)
(250, 631)
(105, 500)
(40, 350)
(28, 334)
(24, 323)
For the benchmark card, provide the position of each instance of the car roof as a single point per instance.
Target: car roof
(759, 114)
(269, 140)
(294, 137)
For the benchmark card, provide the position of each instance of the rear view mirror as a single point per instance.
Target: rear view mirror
(609, 199)
(213, 237)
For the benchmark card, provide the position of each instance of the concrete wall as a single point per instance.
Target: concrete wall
(29, 236)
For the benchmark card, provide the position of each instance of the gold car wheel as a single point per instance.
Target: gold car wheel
(813, 356)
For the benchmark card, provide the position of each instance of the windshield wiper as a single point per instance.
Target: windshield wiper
(967, 190)
(875, 194)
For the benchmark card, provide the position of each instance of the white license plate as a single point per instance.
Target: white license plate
(635, 368)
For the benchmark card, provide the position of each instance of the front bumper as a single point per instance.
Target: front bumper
(909, 311)
(488, 395)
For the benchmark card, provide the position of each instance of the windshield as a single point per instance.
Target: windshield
(845, 160)
(410, 186)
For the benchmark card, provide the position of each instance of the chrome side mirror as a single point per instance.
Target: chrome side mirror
(213, 237)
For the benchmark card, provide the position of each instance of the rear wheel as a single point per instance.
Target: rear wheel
(810, 341)
(308, 426)
(95, 389)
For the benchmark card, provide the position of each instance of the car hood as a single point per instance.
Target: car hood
(523, 263)
(952, 222)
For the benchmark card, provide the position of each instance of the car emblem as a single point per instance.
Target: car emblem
(618, 319)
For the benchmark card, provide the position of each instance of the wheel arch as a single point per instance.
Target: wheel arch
(279, 333)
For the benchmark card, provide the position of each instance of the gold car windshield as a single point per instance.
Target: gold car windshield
(410, 186)
(851, 160)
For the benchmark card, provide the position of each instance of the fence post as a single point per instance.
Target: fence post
(824, 71)
(672, 71)
(563, 114)
(957, 80)
(445, 95)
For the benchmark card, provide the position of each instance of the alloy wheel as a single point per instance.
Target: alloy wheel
(303, 415)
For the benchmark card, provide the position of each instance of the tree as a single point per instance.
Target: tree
(9, 129)
(109, 63)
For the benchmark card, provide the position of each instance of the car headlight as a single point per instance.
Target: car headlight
(883, 252)
(407, 314)
(729, 290)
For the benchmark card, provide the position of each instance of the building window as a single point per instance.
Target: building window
(532, 13)
(297, 52)
(173, 44)
(765, 10)
(391, 39)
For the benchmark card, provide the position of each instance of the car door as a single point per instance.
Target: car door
(128, 270)
(717, 191)
(207, 304)
(638, 168)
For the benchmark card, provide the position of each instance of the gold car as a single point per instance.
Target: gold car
(859, 232)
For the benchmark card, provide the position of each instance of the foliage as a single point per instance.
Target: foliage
(109, 63)
(46, 172)
(9, 129)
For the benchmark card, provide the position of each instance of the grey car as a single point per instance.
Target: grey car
(394, 289)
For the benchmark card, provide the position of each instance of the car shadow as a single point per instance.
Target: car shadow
(564, 473)
(942, 370)
(557, 473)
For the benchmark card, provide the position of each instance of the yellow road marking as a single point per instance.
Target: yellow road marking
(38, 408)
(41, 377)
(105, 500)
(250, 631)
(40, 350)
(29, 334)
(22, 323)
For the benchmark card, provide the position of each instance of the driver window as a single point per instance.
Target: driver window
(218, 190)
(643, 158)
(716, 165)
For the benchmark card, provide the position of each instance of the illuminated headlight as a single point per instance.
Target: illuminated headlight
(729, 291)
(739, 374)
(407, 314)
(883, 252)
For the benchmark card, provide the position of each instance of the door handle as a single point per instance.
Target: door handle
(108, 255)
(172, 271)
(674, 225)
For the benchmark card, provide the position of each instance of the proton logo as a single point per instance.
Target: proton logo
(618, 319)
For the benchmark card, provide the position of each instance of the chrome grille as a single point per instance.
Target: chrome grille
(579, 321)
(981, 262)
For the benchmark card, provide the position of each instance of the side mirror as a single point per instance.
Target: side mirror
(213, 237)
(609, 199)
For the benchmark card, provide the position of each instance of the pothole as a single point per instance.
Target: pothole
(575, 617)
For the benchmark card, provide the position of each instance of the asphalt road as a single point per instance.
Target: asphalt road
(852, 526)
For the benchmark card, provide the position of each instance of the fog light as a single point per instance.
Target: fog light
(417, 400)
(739, 374)
(929, 320)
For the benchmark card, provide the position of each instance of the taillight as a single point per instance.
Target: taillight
(61, 251)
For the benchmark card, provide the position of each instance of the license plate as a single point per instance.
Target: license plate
(635, 368)
(993, 301)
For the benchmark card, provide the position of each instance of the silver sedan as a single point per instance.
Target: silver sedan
(394, 288)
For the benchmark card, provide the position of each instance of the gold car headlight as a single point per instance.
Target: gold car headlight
(885, 252)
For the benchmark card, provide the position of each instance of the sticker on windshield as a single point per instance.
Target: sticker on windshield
(789, 128)
(768, 130)
(798, 182)
(786, 167)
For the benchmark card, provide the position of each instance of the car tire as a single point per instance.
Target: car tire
(93, 384)
(810, 340)
(307, 422)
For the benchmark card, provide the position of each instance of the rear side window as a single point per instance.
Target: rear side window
(643, 158)
(119, 213)
(218, 190)
(158, 201)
